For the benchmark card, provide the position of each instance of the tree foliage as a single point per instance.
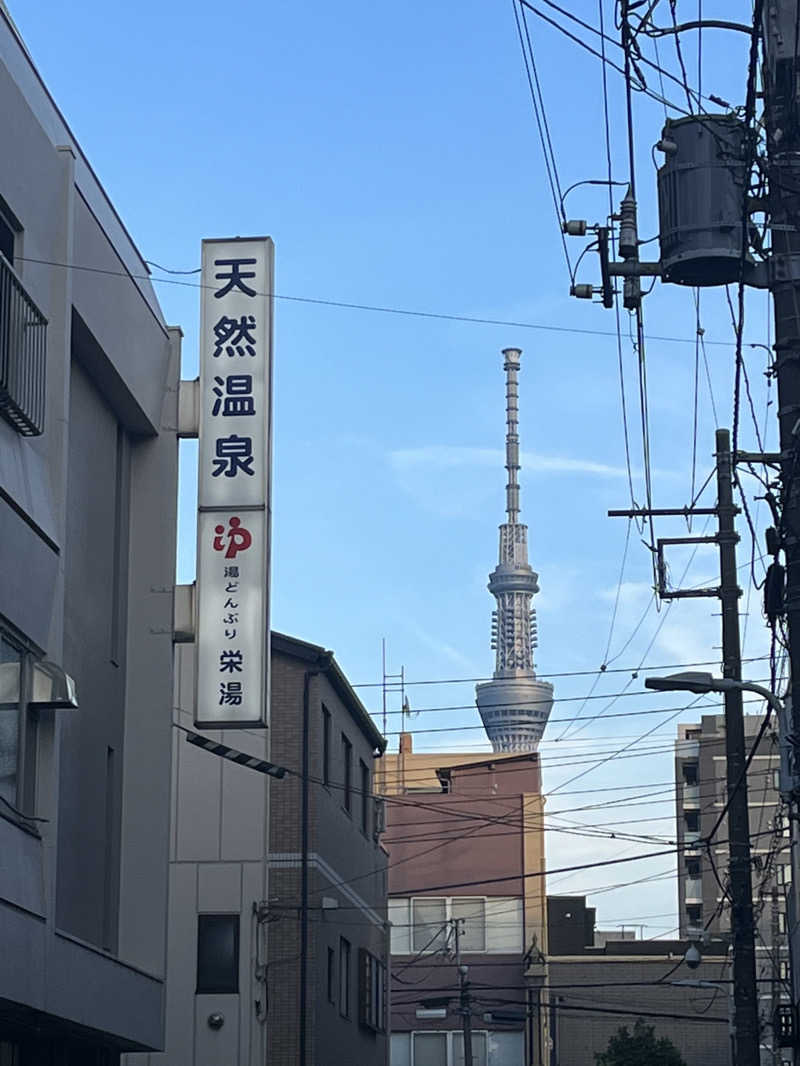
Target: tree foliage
(639, 1048)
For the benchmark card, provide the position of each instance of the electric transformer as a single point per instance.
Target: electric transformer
(700, 199)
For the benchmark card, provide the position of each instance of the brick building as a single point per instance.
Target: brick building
(242, 945)
(346, 918)
(473, 822)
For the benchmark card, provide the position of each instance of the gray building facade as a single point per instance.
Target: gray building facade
(701, 793)
(245, 939)
(88, 485)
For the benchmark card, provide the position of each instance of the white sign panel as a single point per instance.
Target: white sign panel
(233, 528)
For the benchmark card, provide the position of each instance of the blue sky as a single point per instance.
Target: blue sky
(392, 154)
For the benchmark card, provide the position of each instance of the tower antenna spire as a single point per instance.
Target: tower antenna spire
(511, 367)
(514, 705)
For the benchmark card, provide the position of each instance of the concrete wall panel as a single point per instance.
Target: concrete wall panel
(216, 1047)
(199, 789)
(244, 794)
(21, 869)
(219, 888)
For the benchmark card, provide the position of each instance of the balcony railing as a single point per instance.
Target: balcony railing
(23, 335)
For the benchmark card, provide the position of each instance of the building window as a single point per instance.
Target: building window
(693, 867)
(347, 763)
(470, 913)
(218, 953)
(694, 912)
(430, 1049)
(478, 1049)
(331, 975)
(782, 922)
(433, 923)
(326, 745)
(10, 714)
(690, 773)
(447, 1049)
(344, 977)
(783, 970)
(371, 991)
(428, 923)
(17, 731)
(365, 796)
(692, 819)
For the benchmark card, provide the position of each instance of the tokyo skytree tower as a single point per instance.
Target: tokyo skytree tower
(514, 705)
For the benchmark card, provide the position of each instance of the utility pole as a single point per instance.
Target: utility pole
(776, 976)
(741, 886)
(728, 592)
(465, 1005)
(782, 121)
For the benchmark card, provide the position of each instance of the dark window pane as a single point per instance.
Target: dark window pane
(364, 797)
(347, 759)
(10, 664)
(326, 746)
(218, 953)
(6, 239)
(344, 977)
(331, 975)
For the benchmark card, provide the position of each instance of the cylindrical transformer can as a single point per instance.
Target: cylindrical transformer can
(701, 189)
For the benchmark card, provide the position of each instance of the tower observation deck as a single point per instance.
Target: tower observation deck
(514, 705)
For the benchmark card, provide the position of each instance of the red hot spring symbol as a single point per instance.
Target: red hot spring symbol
(238, 538)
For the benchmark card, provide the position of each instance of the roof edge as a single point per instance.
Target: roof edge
(316, 655)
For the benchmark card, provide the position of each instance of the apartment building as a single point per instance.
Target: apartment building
(466, 888)
(700, 795)
(88, 486)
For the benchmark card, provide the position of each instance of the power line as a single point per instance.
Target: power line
(535, 702)
(376, 308)
(642, 87)
(565, 673)
(543, 128)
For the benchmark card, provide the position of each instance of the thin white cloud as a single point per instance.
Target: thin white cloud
(441, 647)
(449, 456)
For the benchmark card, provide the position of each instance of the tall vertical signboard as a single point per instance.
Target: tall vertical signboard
(233, 520)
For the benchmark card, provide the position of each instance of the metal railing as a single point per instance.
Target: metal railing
(23, 337)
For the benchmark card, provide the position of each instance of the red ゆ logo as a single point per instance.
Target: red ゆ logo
(238, 538)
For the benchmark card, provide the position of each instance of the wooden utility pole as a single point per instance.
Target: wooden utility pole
(728, 592)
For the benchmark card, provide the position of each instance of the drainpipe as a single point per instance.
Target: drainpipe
(323, 664)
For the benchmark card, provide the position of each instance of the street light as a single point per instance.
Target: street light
(701, 683)
(689, 982)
